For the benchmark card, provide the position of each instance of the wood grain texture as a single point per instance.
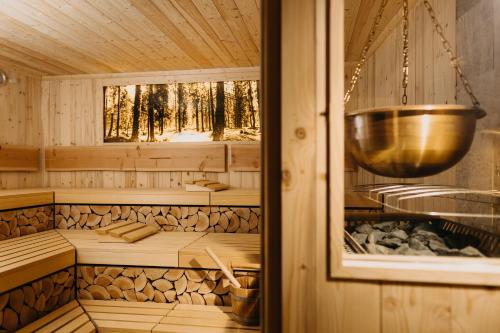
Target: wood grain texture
(19, 158)
(12, 199)
(166, 157)
(244, 157)
(20, 119)
(78, 98)
(60, 37)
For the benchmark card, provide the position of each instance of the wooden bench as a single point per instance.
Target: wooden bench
(27, 258)
(160, 250)
(68, 318)
(115, 316)
(236, 250)
(187, 318)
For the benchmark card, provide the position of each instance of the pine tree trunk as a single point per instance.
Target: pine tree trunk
(212, 108)
(238, 106)
(218, 133)
(151, 113)
(111, 125)
(136, 110)
(118, 113)
(105, 112)
(180, 103)
(261, 116)
(202, 116)
(197, 114)
(250, 105)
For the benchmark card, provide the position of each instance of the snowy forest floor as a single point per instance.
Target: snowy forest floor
(191, 135)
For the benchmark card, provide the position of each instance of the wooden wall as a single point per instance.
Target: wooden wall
(72, 115)
(313, 302)
(20, 122)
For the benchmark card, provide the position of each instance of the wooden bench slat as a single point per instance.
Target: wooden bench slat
(106, 229)
(170, 328)
(118, 232)
(61, 321)
(148, 305)
(11, 254)
(28, 258)
(140, 318)
(49, 317)
(75, 324)
(34, 242)
(199, 314)
(25, 239)
(204, 322)
(207, 308)
(86, 328)
(124, 310)
(105, 326)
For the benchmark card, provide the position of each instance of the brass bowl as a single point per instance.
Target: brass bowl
(413, 140)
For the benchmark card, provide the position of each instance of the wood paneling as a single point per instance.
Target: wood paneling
(335, 305)
(20, 119)
(25, 198)
(72, 115)
(167, 157)
(19, 158)
(245, 157)
(72, 37)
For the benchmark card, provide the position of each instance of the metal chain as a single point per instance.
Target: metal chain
(406, 69)
(453, 59)
(369, 42)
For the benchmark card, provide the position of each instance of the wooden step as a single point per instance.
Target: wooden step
(27, 258)
(159, 250)
(232, 249)
(68, 318)
(116, 316)
(187, 318)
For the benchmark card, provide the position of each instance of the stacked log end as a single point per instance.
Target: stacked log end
(20, 222)
(161, 285)
(167, 218)
(26, 304)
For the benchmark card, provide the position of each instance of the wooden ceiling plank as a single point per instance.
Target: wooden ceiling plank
(351, 11)
(16, 32)
(251, 16)
(213, 17)
(234, 19)
(178, 20)
(110, 41)
(144, 28)
(367, 12)
(34, 59)
(156, 16)
(196, 20)
(50, 22)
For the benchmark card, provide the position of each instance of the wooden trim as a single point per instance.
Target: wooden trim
(445, 270)
(191, 75)
(244, 157)
(19, 158)
(271, 238)
(162, 157)
(18, 199)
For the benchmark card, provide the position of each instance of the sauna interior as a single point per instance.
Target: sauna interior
(120, 122)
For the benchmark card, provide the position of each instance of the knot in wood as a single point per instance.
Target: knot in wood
(286, 177)
(300, 133)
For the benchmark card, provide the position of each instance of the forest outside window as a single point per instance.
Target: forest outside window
(182, 112)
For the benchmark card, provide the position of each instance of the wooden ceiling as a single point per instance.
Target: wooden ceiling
(358, 20)
(116, 36)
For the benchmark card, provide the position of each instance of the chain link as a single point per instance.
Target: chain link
(448, 48)
(369, 42)
(406, 65)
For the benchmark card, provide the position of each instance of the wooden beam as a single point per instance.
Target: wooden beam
(168, 157)
(14, 199)
(18, 158)
(245, 157)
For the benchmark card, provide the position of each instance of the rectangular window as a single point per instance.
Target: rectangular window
(182, 112)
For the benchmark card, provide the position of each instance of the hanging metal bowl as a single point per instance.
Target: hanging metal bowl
(409, 141)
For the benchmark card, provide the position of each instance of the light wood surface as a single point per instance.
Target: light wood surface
(197, 157)
(68, 318)
(235, 197)
(11, 199)
(106, 37)
(159, 250)
(66, 99)
(28, 258)
(20, 117)
(19, 158)
(243, 248)
(245, 157)
(113, 316)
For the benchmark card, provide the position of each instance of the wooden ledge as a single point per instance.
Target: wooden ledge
(27, 258)
(19, 158)
(235, 197)
(13, 199)
(131, 196)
